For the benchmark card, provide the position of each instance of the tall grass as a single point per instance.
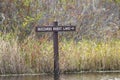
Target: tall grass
(91, 55)
(11, 60)
(36, 56)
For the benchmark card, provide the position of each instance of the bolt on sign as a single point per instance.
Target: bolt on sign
(55, 29)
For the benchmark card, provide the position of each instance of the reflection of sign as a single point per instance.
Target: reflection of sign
(58, 28)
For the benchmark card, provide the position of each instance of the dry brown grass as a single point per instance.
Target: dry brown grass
(34, 56)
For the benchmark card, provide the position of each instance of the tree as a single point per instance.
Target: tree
(117, 2)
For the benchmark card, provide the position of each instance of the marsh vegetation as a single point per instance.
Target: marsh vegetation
(95, 46)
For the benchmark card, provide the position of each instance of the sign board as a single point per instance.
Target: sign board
(53, 28)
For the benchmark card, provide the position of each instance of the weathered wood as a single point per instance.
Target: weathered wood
(56, 53)
(55, 29)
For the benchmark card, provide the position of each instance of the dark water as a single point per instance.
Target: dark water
(85, 76)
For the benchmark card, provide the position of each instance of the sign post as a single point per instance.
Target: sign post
(55, 29)
(56, 53)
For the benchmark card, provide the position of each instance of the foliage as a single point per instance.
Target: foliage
(93, 18)
(94, 46)
(117, 1)
(36, 56)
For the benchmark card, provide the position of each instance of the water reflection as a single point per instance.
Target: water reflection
(57, 77)
(85, 76)
(35, 77)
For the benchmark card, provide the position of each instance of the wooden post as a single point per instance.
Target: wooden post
(56, 52)
(55, 29)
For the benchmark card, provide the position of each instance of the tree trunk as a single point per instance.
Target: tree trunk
(1, 6)
(119, 17)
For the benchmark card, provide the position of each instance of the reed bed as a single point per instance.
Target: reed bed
(35, 56)
(91, 56)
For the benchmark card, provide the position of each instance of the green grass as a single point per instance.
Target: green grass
(36, 56)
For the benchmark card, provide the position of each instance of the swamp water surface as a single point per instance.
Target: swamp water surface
(82, 76)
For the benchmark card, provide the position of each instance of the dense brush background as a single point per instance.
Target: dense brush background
(93, 18)
(94, 46)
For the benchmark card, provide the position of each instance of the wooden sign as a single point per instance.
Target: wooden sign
(55, 29)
